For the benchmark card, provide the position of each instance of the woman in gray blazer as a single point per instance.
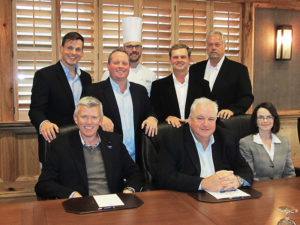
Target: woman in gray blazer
(268, 154)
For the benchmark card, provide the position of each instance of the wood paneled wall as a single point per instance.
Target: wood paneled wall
(19, 163)
(19, 152)
(6, 77)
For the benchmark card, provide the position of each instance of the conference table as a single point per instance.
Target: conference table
(168, 207)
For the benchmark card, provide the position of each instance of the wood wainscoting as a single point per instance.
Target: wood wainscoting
(19, 164)
(288, 128)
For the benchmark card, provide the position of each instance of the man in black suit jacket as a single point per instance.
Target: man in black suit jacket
(199, 156)
(56, 89)
(172, 96)
(89, 161)
(125, 104)
(229, 81)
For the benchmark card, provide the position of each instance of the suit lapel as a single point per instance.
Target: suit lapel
(173, 100)
(78, 156)
(219, 83)
(112, 103)
(190, 146)
(106, 150)
(136, 105)
(189, 98)
(217, 157)
(63, 82)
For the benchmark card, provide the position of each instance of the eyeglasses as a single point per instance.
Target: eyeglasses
(133, 46)
(262, 118)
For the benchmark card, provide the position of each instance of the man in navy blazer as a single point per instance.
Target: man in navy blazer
(172, 96)
(229, 81)
(126, 104)
(56, 89)
(201, 156)
(89, 161)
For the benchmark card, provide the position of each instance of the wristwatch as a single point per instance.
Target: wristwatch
(240, 180)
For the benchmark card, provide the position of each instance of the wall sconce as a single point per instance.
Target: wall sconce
(284, 34)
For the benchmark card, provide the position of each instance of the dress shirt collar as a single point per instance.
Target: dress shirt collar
(89, 146)
(67, 71)
(257, 139)
(218, 66)
(211, 140)
(116, 87)
(186, 80)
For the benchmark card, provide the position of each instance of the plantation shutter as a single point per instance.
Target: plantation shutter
(79, 16)
(156, 35)
(112, 13)
(227, 18)
(34, 47)
(192, 27)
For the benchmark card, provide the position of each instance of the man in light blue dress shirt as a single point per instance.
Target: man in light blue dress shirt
(202, 156)
(125, 104)
(56, 90)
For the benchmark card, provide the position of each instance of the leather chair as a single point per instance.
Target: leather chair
(150, 147)
(240, 125)
(62, 131)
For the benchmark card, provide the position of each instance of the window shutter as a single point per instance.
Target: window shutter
(192, 27)
(156, 15)
(33, 47)
(111, 24)
(227, 18)
(79, 16)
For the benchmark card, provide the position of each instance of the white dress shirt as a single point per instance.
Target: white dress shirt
(275, 139)
(211, 72)
(181, 92)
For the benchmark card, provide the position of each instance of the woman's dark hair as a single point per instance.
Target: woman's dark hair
(271, 108)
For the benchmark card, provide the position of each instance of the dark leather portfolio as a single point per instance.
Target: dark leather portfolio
(203, 196)
(88, 204)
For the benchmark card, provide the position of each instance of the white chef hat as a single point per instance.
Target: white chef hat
(132, 29)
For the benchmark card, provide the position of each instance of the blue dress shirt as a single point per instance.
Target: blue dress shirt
(124, 102)
(75, 83)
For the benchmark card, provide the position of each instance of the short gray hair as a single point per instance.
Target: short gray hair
(89, 102)
(203, 101)
(218, 33)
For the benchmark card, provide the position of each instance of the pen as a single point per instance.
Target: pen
(239, 197)
(229, 190)
(106, 208)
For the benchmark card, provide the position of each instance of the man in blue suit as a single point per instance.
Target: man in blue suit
(56, 90)
(229, 81)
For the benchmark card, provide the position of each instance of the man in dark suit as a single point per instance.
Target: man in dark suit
(89, 161)
(199, 156)
(126, 104)
(229, 81)
(56, 89)
(172, 96)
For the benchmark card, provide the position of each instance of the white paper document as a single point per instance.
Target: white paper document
(109, 200)
(234, 194)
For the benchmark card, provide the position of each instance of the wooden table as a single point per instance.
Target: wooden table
(168, 207)
(261, 211)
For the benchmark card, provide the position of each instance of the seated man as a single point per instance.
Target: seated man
(199, 156)
(89, 161)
